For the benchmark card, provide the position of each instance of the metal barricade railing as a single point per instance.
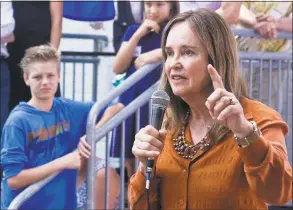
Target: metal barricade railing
(91, 132)
(82, 66)
(252, 33)
(269, 77)
(73, 81)
(247, 60)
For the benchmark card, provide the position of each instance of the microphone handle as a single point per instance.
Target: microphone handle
(156, 121)
(157, 116)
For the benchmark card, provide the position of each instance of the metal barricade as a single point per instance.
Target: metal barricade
(269, 77)
(92, 136)
(76, 68)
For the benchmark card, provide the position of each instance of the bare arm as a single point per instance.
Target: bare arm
(247, 18)
(109, 113)
(29, 176)
(148, 58)
(155, 55)
(126, 51)
(125, 54)
(8, 39)
(56, 11)
(84, 147)
(284, 24)
(230, 10)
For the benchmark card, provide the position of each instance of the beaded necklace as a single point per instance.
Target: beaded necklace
(183, 148)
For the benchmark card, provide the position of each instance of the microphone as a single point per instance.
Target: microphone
(159, 102)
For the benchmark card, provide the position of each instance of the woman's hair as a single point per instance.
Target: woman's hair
(217, 38)
(175, 9)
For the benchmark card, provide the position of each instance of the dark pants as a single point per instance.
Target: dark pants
(4, 87)
(5, 92)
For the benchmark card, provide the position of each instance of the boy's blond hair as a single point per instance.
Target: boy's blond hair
(38, 53)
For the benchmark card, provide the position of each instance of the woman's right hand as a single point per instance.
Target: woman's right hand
(148, 26)
(148, 143)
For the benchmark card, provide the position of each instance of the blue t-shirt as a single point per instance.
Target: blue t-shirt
(31, 138)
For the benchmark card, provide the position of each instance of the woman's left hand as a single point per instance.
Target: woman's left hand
(224, 107)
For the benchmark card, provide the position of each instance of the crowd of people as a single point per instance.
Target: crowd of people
(223, 135)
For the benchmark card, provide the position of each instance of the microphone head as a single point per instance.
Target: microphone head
(161, 98)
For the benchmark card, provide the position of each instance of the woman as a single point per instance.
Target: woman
(221, 149)
(140, 46)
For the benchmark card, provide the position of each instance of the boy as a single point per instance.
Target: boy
(40, 136)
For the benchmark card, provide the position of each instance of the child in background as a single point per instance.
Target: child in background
(141, 45)
(40, 136)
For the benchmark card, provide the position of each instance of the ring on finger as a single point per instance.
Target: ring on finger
(231, 102)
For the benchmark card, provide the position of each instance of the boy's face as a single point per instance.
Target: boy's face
(43, 78)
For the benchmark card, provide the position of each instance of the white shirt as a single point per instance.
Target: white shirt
(7, 23)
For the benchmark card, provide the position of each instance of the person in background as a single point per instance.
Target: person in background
(140, 46)
(7, 27)
(114, 187)
(223, 150)
(37, 22)
(40, 137)
(7, 36)
(127, 13)
(229, 10)
(267, 18)
(100, 168)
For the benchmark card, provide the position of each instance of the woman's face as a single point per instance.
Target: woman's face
(186, 62)
(158, 11)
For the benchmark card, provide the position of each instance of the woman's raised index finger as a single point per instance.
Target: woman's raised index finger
(216, 78)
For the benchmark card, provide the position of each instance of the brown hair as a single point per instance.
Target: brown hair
(217, 38)
(38, 53)
(175, 8)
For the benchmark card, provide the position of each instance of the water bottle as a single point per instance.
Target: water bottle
(119, 79)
